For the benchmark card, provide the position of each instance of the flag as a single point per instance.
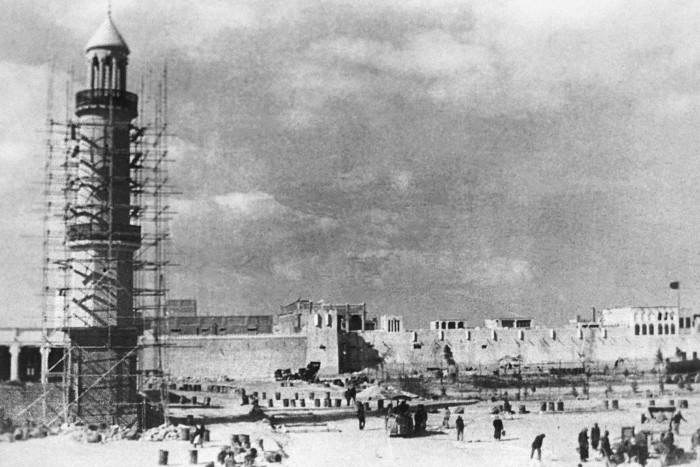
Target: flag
(675, 285)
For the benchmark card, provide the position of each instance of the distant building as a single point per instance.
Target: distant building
(508, 323)
(391, 323)
(350, 317)
(181, 308)
(448, 324)
(655, 320)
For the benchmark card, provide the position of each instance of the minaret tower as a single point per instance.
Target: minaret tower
(99, 234)
(96, 308)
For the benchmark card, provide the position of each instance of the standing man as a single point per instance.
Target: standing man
(537, 446)
(198, 437)
(459, 423)
(583, 444)
(595, 436)
(387, 415)
(360, 414)
(446, 418)
(605, 448)
(497, 428)
(353, 393)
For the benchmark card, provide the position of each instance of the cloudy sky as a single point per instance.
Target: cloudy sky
(430, 158)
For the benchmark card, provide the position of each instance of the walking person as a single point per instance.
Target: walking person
(537, 446)
(676, 421)
(360, 414)
(583, 444)
(497, 428)
(459, 423)
(595, 436)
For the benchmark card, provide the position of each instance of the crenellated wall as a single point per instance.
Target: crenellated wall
(255, 357)
(485, 347)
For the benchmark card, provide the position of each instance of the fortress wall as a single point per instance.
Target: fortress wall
(255, 357)
(241, 357)
(535, 346)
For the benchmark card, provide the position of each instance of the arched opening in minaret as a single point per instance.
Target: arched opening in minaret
(94, 70)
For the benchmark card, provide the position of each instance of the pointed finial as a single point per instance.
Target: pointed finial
(109, 8)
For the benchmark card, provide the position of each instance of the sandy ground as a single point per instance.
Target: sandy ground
(340, 443)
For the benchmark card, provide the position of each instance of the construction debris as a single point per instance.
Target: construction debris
(163, 432)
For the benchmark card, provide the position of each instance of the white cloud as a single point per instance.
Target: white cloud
(255, 204)
(496, 271)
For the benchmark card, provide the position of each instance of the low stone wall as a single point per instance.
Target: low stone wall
(14, 398)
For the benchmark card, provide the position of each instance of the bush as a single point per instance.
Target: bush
(416, 386)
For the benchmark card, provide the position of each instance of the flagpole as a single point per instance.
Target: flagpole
(677, 286)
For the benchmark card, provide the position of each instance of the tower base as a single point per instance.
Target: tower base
(104, 381)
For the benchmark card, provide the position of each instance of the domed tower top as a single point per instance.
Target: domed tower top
(106, 54)
(107, 37)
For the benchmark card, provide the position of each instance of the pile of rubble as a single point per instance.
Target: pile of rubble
(98, 434)
(163, 432)
(21, 433)
(76, 432)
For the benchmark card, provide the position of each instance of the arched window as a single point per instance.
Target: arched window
(122, 76)
(661, 329)
(659, 317)
(673, 328)
(665, 316)
(651, 329)
(451, 325)
(636, 329)
(644, 329)
(94, 71)
(666, 329)
(443, 325)
(460, 325)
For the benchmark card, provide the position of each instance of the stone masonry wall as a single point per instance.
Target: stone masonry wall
(238, 357)
(16, 397)
(484, 347)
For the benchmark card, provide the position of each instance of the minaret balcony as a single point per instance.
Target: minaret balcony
(91, 100)
(95, 233)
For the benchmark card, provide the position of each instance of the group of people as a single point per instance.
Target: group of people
(240, 454)
(404, 422)
(597, 442)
